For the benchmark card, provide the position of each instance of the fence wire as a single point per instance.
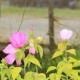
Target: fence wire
(23, 22)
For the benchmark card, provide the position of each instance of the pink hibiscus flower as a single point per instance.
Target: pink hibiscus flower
(18, 39)
(65, 34)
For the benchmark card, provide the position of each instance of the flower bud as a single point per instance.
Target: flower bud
(39, 39)
(31, 32)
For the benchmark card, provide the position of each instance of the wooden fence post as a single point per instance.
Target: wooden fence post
(51, 25)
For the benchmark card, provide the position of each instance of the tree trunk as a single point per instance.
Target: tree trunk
(51, 25)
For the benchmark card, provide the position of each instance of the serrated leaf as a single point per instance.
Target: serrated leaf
(32, 59)
(35, 45)
(19, 77)
(40, 50)
(76, 64)
(52, 76)
(61, 47)
(28, 47)
(58, 76)
(72, 59)
(51, 68)
(56, 54)
(59, 70)
(29, 76)
(20, 55)
(3, 72)
(60, 64)
(15, 72)
(1, 66)
(72, 51)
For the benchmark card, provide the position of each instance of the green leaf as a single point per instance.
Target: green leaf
(36, 46)
(76, 64)
(32, 59)
(40, 50)
(41, 77)
(15, 72)
(72, 51)
(1, 66)
(56, 54)
(29, 76)
(28, 47)
(20, 55)
(72, 59)
(62, 47)
(51, 68)
(2, 73)
(60, 64)
(19, 77)
(8, 72)
(59, 70)
(52, 76)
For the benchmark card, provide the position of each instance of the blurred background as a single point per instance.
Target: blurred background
(21, 15)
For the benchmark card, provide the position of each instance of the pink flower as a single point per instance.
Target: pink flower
(18, 39)
(32, 50)
(11, 57)
(31, 30)
(18, 63)
(65, 34)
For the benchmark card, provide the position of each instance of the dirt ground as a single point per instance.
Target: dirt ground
(10, 24)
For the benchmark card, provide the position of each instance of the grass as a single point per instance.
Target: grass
(40, 12)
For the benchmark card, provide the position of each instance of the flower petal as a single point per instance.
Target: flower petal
(10, 58)
(65, 34)
(18, 39)
(9, 50)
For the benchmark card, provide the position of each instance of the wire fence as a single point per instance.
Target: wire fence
(23, 22)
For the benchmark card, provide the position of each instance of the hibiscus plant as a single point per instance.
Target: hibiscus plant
(65, 69)
(16, 52)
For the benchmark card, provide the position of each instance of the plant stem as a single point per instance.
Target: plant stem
(66, 77)
(22, 16)
(36, 69)
(2, 76)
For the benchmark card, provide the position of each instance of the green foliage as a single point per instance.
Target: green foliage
(31, 59)
(15, 72)
(34, 76)
(72, 51)
(66, 69)
(58, 53)
(51, 68)
(40, 51)
(20, 55)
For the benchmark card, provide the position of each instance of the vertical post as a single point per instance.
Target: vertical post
(51, 25)
(0, 9)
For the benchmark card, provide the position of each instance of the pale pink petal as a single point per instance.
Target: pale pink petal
(32, 51)
(10, 58)
(9, 50)
(18, 63)
(65, 34)
(69, 34)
